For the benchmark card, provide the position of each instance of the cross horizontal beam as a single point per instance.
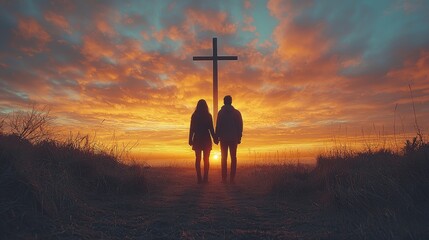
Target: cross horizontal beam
(210, 58)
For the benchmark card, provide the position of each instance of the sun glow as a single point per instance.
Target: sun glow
(215, 156)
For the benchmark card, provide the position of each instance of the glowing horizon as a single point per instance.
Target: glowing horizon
(308, 71)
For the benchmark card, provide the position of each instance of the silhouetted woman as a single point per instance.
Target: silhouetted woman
(199, 138)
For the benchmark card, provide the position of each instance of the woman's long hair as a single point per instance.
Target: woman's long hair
(202, 108)
(201, 113)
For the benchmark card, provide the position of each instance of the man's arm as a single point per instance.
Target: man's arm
(212, 132)
(240, 126)
(218, 126)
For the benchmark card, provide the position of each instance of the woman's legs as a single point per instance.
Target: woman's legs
(198, 165)
(206, 165)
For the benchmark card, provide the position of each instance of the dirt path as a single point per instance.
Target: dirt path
(178, 208)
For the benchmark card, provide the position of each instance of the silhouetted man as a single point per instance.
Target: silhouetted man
(229, 129)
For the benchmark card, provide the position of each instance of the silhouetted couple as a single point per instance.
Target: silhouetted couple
(229, 129)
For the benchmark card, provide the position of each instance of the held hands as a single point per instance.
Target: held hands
(215, 139)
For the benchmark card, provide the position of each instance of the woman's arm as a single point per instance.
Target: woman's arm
(191, 132)
(212, 132)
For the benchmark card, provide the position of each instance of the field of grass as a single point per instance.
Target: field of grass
(46, 187)
(53, 190)
(378, 195)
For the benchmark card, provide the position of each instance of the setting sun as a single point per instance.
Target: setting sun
(215, 155)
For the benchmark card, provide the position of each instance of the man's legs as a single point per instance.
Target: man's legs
(206, 156)
(224, 156)
(198, 165)
(233, 152)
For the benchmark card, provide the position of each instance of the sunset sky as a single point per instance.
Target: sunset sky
(308, 71)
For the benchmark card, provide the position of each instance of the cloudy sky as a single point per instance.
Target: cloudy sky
(308, 71)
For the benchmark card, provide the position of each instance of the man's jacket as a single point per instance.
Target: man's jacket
(229, 124)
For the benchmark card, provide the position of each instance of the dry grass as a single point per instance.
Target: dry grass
(44, 185)
(375, 194)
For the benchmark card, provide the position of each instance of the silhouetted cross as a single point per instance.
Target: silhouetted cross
(214, 58)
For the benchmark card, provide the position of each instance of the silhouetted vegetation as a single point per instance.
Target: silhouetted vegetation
(45, 185)
(376, 194)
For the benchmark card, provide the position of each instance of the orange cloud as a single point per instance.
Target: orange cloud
(58, 20)
(414, 69)
(247, 4)
(298, 43)
(30, 30)
(174, 33)
(93, 48)
(248, 20)
(104, 27)
(215, 21)
(105, 19)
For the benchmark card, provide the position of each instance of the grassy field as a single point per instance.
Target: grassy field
(63, 190)
(374, 195)
(45, 187)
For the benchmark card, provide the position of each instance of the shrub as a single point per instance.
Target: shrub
(31, 125)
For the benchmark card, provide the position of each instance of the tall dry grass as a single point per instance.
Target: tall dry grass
(374, 194)
(45, 184)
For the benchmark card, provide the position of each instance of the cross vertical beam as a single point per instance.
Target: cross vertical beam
(215, 58)
(215, 81)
